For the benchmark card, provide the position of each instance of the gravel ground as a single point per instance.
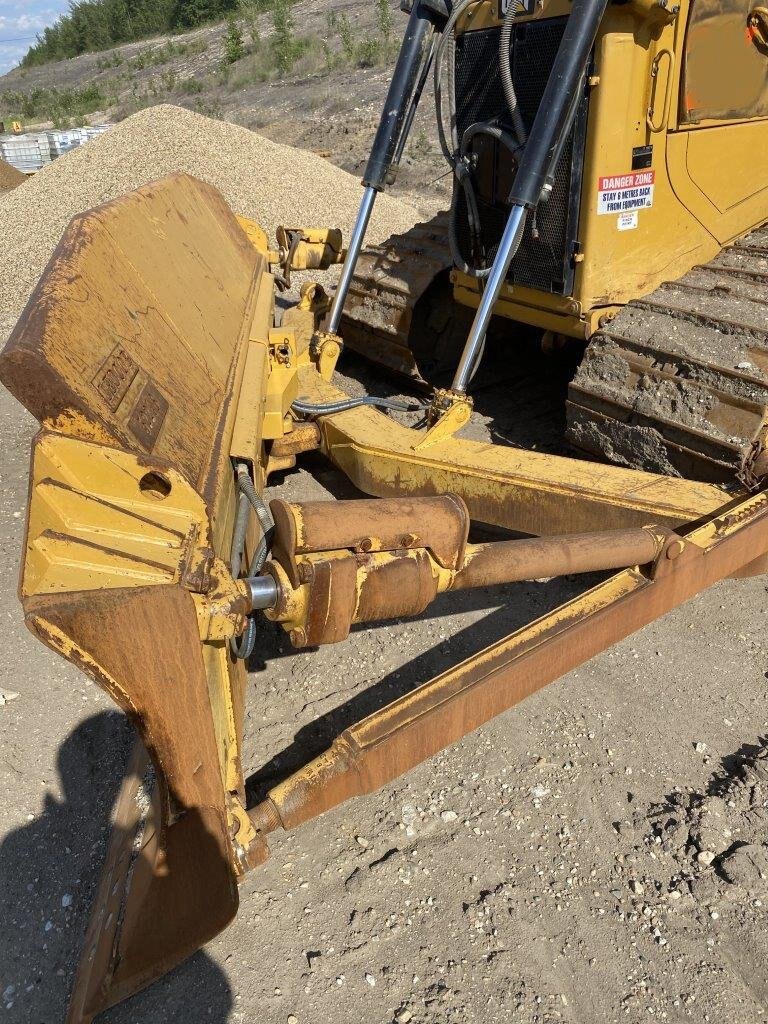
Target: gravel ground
(261, 179)
(596, 855)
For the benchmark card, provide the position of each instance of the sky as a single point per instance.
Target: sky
(20, 21)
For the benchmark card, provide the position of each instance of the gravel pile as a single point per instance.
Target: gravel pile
(9, 176)
(268, 182)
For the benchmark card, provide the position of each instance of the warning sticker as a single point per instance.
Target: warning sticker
(627, 221)
(622, 193)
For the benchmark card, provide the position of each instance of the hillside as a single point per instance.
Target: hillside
(319, 85)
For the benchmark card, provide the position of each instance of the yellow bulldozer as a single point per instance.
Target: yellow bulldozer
(611, 178)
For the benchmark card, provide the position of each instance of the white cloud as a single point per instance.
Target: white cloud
(19, 24)
(10, 55)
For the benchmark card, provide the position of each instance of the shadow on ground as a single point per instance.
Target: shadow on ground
(49, 870)
(520, 604)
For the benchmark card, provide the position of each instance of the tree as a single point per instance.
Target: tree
(285, 44)
(234, 45)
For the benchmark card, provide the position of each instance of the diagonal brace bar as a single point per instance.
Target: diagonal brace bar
(418, 725)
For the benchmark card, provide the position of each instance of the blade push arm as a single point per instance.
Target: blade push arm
(393, 740)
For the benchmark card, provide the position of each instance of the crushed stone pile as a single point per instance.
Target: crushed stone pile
(260, 179)
(9, 176)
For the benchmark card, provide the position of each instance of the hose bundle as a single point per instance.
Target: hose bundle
(457, 152)
(249, 499)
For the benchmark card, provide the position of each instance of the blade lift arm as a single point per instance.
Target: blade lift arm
(436, 714)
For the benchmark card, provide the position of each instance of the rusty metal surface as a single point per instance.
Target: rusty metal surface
(340, 563)
(440, 524)
(441, 711)
(133, 827)
(132, 353)
(142, 646)
(678, 382)
(544, 557)
(135, 332)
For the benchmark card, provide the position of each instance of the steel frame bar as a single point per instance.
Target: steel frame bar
(416, 726)
(531, 492)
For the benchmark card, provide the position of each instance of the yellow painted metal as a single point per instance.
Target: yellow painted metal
(282, 383)
(98, 519)
(258, 238)
(453, 410)
(440, 711)
(528, 491)
(149, 354)
(132, 486)
(711, 176)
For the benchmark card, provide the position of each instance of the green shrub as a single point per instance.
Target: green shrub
(55, 105)
(384, 20)
(191, 87)
(287, 49)
(234, 44)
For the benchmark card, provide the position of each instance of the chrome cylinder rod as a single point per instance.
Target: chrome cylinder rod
(510, 243)
(353, 252)
(262, 591)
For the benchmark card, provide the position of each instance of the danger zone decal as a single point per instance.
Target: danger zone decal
(622, 193)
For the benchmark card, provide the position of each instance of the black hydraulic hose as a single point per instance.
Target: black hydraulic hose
(463, 176)
(505, 67)
(242, 647)
(570, 63)
(451, 150)
(456, 152)
(446, 40)
(345, 404)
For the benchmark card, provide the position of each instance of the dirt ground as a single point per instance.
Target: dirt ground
(582, 858)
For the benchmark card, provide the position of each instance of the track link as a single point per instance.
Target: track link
(388, 283)
(677, 382)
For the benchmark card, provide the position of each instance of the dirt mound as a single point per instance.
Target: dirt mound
(268, 182)
(9, 176)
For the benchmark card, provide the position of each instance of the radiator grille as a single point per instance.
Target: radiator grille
(545, 263)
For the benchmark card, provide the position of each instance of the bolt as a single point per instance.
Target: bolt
(365, 544)
(306, 572)
(408, 540)
(675, 548)
(298, 637)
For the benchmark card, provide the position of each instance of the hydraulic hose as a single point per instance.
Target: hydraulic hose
(455, 151)
(345, 404)
(505, 67)
(464, 178)
(446, 40)
(242, 647)
(543, 145)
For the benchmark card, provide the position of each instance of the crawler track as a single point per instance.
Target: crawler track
(677, 382)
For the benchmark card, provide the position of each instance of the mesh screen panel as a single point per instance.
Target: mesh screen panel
(544, 263)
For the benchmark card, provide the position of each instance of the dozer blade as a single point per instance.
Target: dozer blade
(677, 383)
(130, 353)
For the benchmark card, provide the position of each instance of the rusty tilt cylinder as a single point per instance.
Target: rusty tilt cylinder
(335, 564)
